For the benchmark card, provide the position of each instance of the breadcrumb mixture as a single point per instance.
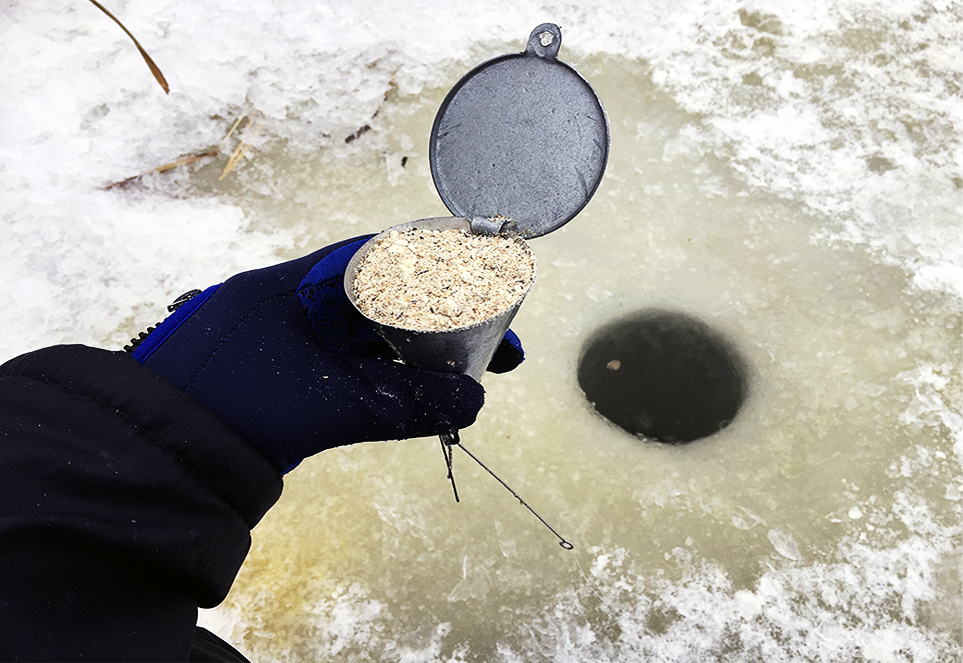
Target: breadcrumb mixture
(433, 280)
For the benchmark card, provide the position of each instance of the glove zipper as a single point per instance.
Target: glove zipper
(173, 306)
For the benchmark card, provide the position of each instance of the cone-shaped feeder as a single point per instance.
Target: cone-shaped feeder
(466, 349)
(518, 148)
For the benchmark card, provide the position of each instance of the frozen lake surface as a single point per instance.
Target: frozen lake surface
(789, 174)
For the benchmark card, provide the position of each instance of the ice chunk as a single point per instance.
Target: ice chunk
(785, 544)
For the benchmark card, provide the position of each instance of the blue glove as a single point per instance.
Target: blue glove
(281, 356)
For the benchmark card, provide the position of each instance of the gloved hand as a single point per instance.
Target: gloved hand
(281, 355)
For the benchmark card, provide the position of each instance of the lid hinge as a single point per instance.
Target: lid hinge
(488, 225)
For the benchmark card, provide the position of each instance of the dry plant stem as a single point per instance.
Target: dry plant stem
(154, 69)
(251, 129)
(230, 132)
(236, 157)
(184, 161)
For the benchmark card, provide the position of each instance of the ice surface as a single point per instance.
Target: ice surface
(787, 172)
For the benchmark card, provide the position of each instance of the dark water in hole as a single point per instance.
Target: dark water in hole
(663, 375)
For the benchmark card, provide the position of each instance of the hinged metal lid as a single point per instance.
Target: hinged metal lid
(522, 139)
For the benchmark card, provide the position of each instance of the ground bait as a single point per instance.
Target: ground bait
(434, 280)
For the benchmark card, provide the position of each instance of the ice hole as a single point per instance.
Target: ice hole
(664, 375)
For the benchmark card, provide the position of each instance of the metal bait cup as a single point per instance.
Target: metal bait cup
(518, 148)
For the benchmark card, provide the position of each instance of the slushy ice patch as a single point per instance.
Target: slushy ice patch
(663, 375)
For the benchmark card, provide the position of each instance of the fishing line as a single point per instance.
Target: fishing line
(450, 439)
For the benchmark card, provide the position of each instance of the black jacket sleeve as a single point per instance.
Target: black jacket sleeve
(124, 506)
